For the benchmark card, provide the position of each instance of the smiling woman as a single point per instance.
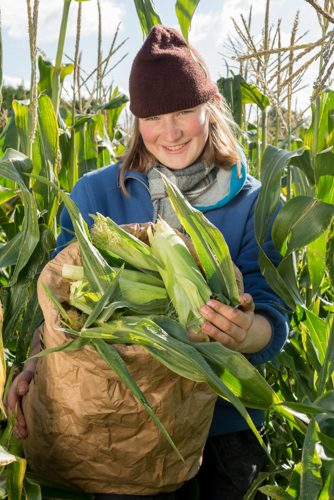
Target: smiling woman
(183, 130)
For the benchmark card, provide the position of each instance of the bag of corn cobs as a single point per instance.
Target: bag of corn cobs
(88, 431)
(122, 403)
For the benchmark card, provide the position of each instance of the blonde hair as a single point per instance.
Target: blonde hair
(221, 149)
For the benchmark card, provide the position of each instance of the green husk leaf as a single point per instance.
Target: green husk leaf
(109, 236)
(183, 280)
(210, 246)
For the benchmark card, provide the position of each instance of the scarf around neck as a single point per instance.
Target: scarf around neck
(201, 184)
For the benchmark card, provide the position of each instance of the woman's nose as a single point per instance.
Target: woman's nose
(171, 131)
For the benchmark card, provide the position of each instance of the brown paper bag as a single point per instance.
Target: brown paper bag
(87, 431)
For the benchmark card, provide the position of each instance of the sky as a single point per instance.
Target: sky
(210, 27)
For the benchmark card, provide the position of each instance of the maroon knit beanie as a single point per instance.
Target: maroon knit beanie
(167, 75)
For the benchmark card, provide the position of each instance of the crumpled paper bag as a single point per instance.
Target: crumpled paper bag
(86, 429)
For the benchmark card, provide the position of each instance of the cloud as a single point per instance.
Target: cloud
(49, 18)
(215, 26)
(15, 82)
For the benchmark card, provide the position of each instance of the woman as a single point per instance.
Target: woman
(182, 128)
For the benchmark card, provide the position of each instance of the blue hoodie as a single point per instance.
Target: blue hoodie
(99, 191)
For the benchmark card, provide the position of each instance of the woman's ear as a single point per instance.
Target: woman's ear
(217, 98)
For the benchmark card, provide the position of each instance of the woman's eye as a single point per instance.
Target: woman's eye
(151, 118)
(185, 111)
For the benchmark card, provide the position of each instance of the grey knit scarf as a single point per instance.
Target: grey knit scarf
(200, 183)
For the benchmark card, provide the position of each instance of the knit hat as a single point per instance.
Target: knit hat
(167, 75)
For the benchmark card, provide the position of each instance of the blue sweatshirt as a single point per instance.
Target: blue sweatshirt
(99, 191)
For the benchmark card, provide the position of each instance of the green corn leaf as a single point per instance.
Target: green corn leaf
(10, 251)
(118, 101)
(184, 12)
(101, 304)
(97, 271)
(273, 163)
(301, 221)
(32, 490)
(310, 481)
(29, 234)
(3, 368)
(117, 364)
(304, 163)
(327, 368)
(21, 113)
(210, 246)
(48, 155)
(70, 346)
(242, 378)
(7, 195)
(14, 478)
(316, 260)
(147, 15)
(317, 329)
(328, 488)
(230, 88)
(276, 492)
(56, 303)
(252, 95)
(180, 357)
(321, 112)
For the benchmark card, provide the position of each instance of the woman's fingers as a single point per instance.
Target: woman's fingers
(246, 302)
(13, 401)
(226, 324)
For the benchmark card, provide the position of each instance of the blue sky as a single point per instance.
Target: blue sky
(211, 25)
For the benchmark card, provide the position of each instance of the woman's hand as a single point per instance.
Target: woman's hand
(13, 401)
(239, 329)
(20, 387)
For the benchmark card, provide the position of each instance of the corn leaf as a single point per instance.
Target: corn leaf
(147, 15)
(184, 12)
(15, 251)
(328, 362)
(97, 270)
(70, 346)
(117, 364)
(101, 304)
(300, 221)
(311, 481)
(32, 490)
(273, 163)
(230, 366)
(180, 357)
(2, 364)
(210, 246)
(15, 477)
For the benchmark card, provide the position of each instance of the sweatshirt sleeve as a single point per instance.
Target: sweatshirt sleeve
(267, 303)
(82, 197)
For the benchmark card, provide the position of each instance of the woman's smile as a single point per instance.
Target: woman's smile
(178, 148)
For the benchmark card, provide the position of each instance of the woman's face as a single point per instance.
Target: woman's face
(176, 139)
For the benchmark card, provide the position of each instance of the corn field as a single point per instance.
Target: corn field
(50, 140)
